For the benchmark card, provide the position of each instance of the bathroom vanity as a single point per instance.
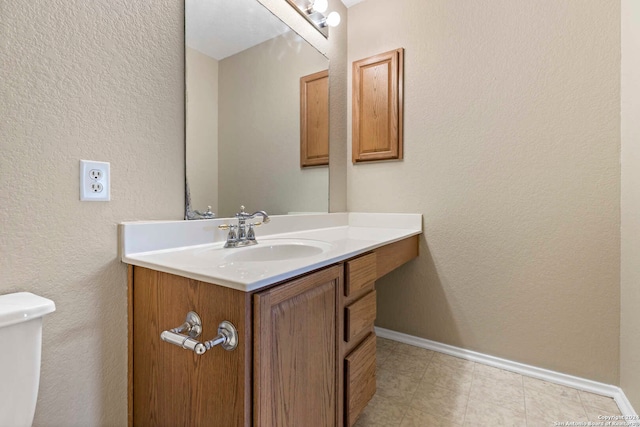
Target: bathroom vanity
(306, 347)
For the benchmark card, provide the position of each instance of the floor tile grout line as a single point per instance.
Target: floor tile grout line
(413, 395)
(394, 350)
(422, 376)
(524, 397)
(585, 406)
(385, 359)
(466, 408)
(408, 406)
(582, 404)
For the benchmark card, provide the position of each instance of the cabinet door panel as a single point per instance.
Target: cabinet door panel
(173, 386)
(377, 107)
(295, 352)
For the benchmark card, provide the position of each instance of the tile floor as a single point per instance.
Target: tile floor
(422, 388)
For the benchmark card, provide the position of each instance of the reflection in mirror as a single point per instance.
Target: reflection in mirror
(243, 72)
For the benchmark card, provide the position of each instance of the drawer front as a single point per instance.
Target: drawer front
(360, 378)
(361, 272)
(359, 316)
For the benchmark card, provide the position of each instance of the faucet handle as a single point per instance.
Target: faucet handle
(232, 236)
(251, 235)
(227, 227)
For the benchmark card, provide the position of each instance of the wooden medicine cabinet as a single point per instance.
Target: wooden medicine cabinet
(377, 107)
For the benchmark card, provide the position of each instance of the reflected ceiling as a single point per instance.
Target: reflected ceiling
(246, 24)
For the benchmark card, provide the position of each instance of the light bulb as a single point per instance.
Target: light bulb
(320, 5)
(333, 19)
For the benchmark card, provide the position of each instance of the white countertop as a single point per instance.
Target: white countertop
(194, 249)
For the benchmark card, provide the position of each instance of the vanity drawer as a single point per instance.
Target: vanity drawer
(360, 378)
(361, 272)
(359, 316)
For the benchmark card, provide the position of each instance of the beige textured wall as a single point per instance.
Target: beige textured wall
(97, 80)
(259, 130)
(630, 227)
(202, 129)
(512, 145)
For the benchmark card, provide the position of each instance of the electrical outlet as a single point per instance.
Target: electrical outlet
(94, 181)
(96, 187)
(95, 174)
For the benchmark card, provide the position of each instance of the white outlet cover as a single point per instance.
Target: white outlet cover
(87, 183)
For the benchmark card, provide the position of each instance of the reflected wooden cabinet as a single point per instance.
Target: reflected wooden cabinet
(305, 355)
(314, 119)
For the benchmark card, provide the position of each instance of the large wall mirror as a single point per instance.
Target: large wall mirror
(243, 111)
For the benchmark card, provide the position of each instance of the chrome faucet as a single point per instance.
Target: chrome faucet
(245, 235)
(196, 214)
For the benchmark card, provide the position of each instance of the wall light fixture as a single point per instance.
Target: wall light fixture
(313, 11)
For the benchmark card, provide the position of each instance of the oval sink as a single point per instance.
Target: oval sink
(273, 250)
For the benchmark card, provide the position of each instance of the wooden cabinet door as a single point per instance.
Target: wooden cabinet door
(175, 387)
(295, 352)
(377, 107)
(314, 119)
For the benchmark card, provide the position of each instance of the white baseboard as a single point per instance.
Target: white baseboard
(531, 371)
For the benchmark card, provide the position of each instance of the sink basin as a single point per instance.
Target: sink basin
(278, 250)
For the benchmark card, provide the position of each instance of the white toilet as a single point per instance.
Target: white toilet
(20, 348)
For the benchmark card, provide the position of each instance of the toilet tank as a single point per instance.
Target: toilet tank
(20, 348)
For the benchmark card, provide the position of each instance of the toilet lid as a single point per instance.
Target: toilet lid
(23, 306)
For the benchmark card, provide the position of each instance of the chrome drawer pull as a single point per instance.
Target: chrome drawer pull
(227, 335)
